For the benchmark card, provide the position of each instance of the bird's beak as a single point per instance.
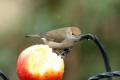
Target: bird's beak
(31, 36)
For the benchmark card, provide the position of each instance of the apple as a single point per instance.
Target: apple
(39, 62)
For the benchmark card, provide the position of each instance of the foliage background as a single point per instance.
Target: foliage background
(100, 17)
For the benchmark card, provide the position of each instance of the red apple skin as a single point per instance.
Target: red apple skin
(24, 74)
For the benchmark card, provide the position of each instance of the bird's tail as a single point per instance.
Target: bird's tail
(40, 35)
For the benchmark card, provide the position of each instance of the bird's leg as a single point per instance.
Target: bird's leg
(64, 52)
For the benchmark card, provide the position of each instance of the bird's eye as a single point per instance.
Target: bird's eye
(72, 33)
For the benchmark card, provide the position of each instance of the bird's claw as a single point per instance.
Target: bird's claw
(64, 52)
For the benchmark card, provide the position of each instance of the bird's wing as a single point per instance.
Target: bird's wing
(57, 45)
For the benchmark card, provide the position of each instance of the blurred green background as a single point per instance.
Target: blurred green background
(100, 17)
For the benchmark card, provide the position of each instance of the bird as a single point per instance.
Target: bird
(61, 38)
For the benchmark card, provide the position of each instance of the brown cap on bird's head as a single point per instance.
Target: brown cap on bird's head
(75, 31)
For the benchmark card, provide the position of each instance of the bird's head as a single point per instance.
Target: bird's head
(74, 33)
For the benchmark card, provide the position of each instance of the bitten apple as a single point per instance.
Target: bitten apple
(38, 62)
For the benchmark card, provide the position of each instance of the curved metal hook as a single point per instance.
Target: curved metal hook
(101, 48)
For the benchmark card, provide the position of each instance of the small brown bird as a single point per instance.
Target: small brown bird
(60, 38)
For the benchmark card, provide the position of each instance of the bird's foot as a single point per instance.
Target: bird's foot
(64, 52)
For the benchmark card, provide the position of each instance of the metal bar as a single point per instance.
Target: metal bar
(3, 76)
(101, 48)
